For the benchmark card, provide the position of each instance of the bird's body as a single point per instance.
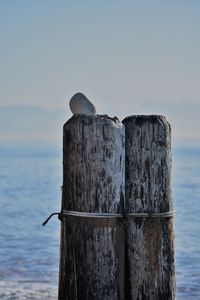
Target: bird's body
(80, 105)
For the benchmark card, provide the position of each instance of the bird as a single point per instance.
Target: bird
(80, 105)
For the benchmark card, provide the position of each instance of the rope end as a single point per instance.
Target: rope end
(44, 223)
(47, 220)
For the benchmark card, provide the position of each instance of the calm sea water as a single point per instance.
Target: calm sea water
(30, 181)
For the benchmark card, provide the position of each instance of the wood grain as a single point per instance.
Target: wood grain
(150, 270)
(92, 255)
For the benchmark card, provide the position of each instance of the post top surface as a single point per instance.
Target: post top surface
(98, 119)
(141, 119)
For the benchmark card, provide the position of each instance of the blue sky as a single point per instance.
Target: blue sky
(128, 57)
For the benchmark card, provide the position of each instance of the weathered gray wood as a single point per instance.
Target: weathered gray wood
(92, 252)
(150, 271)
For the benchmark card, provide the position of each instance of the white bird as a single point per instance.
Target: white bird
(80, 105)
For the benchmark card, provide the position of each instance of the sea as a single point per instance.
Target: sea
(30, 190)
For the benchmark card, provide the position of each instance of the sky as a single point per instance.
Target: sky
(128, 57)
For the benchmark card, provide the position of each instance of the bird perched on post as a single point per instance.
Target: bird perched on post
(80, 105)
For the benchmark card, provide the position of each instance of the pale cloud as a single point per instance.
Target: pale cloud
(31, 123)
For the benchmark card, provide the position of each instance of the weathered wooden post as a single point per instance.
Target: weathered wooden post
(92, 246)
(150, 271)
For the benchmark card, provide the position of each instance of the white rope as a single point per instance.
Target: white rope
(112, 215)
(91, 215)
(152, 215)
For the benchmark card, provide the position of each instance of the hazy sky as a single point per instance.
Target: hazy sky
(128, 57)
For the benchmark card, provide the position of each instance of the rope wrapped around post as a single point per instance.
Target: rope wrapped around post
(79, 214)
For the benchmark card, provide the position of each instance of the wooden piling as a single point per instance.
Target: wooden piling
(92, 250)
(150, 270)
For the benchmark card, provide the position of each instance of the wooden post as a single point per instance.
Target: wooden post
(92, 250)
(150, 271)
